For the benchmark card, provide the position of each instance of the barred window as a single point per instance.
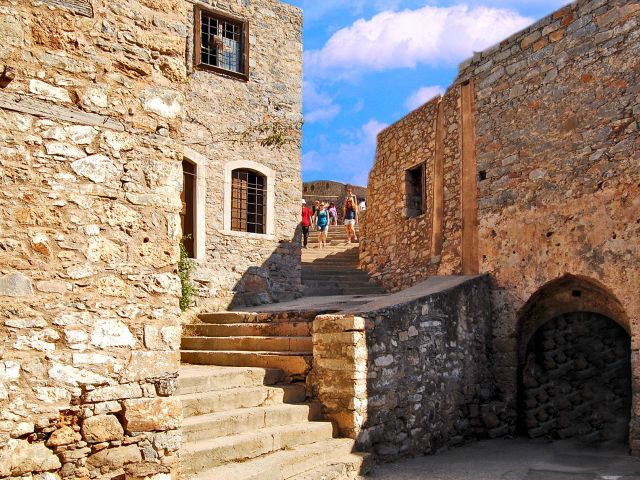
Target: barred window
(221, 43)
(248, 201)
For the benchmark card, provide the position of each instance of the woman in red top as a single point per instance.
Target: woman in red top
(306, 223)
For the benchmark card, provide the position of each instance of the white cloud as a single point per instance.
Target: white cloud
(349, 161)
(318, 106)
(428, 35)
(422, 96)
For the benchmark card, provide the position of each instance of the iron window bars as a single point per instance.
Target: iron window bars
(221, 43)
(248, 202)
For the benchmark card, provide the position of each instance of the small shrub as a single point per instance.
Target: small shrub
(185, 268)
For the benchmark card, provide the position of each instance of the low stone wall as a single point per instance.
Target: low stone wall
(411, 377)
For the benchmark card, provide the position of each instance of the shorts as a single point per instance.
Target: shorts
(350, 222)
(323, 229)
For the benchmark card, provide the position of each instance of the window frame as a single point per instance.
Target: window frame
(197, 43)
(270, 178)
(245, 203)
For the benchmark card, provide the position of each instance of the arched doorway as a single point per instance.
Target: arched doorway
(574, 370)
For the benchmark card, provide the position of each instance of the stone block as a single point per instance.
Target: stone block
(16, 285)
(63, 436)
(147, 365)
(153, 414)
(102, 428)
(19, 457)
(116, 457)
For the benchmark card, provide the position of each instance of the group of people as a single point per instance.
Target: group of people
(321, 215)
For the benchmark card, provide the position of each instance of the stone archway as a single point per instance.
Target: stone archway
(574, 363)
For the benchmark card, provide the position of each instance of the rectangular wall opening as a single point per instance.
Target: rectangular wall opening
(414, 188)
(188, 212)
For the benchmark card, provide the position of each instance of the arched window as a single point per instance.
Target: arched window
(248, 197)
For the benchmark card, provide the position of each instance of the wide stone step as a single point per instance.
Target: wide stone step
(287, 464)
(235, 422)
(349, 466)
(205, 454)
(282, 329)
(199, 378)
(332, 290)
(337, 275)
(282, 344)
(294, 364)
(252, 317)
(204, 403)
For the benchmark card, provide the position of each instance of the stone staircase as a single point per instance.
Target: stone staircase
(245, 408)
(240, 339)
(333, 270)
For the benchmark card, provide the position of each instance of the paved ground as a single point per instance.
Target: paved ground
(517, 460)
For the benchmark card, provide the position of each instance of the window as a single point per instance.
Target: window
(221, 43)
(247, 201)
(188, 212)
(414, 190)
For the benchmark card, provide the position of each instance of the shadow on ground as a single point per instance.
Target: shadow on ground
(518, 459)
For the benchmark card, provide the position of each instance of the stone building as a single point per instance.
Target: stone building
(101, 119)
(527, 169)
(246, 254)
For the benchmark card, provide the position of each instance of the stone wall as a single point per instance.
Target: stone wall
(555, 188)
(89, 229)
(401, 250)
(411, 374)
(239, 268)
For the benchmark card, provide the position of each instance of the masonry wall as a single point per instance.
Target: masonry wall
(239, 268)
(399, 251)
(89, 229)
(556, 144)
(411, 374)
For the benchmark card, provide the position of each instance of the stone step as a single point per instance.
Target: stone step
(341, 283)
(290, 463)
(206, 454)
(199, 378)
(331, 291)
(284, 329)
(253, 343)
(204, 403)
(336, 264)
(350, 466)
(336, 274)
(252, 317)
(234, 422)
(294, 364)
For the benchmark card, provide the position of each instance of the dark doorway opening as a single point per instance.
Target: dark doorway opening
(188, 212)
(575, 380)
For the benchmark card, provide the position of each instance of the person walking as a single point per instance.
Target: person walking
(314, 211)
(322, 225)
(333, 214)
(350, 215)
(306, 223)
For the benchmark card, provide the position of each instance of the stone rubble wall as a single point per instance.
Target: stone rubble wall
(576, 380)
(411, 378)
(242, 269)
(90, 169)
(557, 150)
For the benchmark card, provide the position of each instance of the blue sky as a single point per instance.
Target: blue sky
(369, 62)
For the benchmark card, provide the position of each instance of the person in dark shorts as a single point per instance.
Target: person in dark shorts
(350, 215)
(306, 223)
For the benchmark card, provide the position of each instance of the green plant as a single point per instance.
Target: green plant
(185, 268)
